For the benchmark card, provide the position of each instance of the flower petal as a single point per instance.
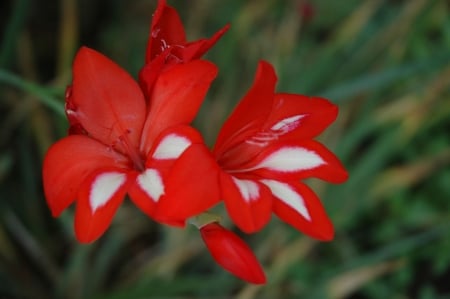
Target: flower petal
(264, 119)
(150, 181)
(147, 190)
(183, 181)
(196, 49)
(67, 164)
(172, 142)
(100, 196)
(297, 205)
(167, 45)
(74, 125)
(231, 252)
(298, 160)
(106, 101)
(192, 187)
(296, 117)
(166, 30)
(289, 159)
(250, 114)
(176, 98)
(171, 56)
(171, 147)
(248, 202)
(150, 72)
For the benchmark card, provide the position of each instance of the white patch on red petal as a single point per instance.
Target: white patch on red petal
(287, 124)
(171, 147)
(287, 194)
(249, 190)
(151, 183)
(104, 187)
(291, 159)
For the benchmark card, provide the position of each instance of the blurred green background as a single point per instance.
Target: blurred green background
(385, 63)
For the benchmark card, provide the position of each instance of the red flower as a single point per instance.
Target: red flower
(230, 252)
(167, 44)
(135, 139)
(265, 148)
(129, 145)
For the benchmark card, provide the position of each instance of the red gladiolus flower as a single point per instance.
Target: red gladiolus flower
(126, 144)
(230, 252)
(134, 138)
(265, 148)
(167, 44)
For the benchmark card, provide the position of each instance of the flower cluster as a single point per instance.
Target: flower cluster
(135, 138)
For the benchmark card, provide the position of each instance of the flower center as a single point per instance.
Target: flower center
(133, 153)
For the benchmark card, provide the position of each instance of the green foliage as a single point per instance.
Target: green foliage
(386, 63)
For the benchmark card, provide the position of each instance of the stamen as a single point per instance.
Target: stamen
(132, 152)
(262, 138)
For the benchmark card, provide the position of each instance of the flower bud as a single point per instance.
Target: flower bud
(232, 253)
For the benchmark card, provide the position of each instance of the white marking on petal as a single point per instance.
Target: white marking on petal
(171, 147)
(290, 159)
(288, 195)
(104, 187)
(287, 124)
(151, 183)
(257, 143)
(248, 189)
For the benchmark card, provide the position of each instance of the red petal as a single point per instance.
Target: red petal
(172, 142)
(182, 178)
(251, 113)
(297, 205)
(166, 30)
(74, 125)
(99, 198)
(248, 202)
(230, 252)
(167, 46)
(146, 190)
(292, 118)
(67, 164)
(106, 101)
(297, 117)
(176, 98)
(263, 119)
(196, 49)
(298, 160)
(150, 72)
(192, 187)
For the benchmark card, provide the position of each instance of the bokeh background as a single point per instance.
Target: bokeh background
(386, 63)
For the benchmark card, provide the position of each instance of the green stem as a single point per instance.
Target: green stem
(14, 25)
(203, 219)
(41, 93)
